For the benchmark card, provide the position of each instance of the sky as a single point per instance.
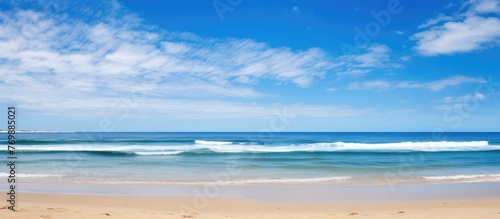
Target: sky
(242, 65)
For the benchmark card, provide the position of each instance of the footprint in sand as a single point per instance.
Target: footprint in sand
(45, 216)
(190, 215)
(106, 214)
(401, 212)
(354, 213)
(167, 213)
(17, 210)
(57, 209)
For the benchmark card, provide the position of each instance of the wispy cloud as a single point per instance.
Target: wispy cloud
(376, 56)
(433, 21)
(102, 107)
(432, 86)
(450, 5)
(460, 102)
(476, 28)
(448, 82)
(37, 43)
(476, 96)
(485, 6)
(370, 85)
(73, 64)
(405, 58)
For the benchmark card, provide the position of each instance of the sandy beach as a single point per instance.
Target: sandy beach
(453, 200)
(86, 206)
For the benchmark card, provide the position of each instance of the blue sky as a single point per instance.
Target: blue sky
(241, 65)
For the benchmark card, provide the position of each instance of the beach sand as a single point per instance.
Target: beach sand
(93, 206)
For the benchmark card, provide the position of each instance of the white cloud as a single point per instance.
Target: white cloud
(447, 99)
(56, 45)
(376, 56)
(370, 85)
(460, 102)
(452, 81)
(451, 4)
(405, 58)
(476, 96)
(472, 30)
(433, 21)
(432, 86)
(175, 48)
(70, 105)
(353, 72)
(479, 96)
(450, 107)
(457, 37)
(64, 65)
(485, 6)
(399, 32)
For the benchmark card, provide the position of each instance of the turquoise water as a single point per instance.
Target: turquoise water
(255, 158)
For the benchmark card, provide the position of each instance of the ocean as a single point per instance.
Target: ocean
(254, 158)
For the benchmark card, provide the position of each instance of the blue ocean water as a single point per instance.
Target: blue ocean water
(255, 158)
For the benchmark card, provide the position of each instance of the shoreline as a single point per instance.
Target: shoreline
(307, 193)
(465, 200)
(92, 206)
(316, 181)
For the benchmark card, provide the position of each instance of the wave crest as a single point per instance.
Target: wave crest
(203, 142)
(202, 146)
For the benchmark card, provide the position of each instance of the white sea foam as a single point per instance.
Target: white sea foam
(416, 146)
(158, 153)
(343, 146)
(243, 181)
(115, 148)
(268, 181)
(202, 142)
(26, 175)
(290, 180)
(230, 147)
(479, 177)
